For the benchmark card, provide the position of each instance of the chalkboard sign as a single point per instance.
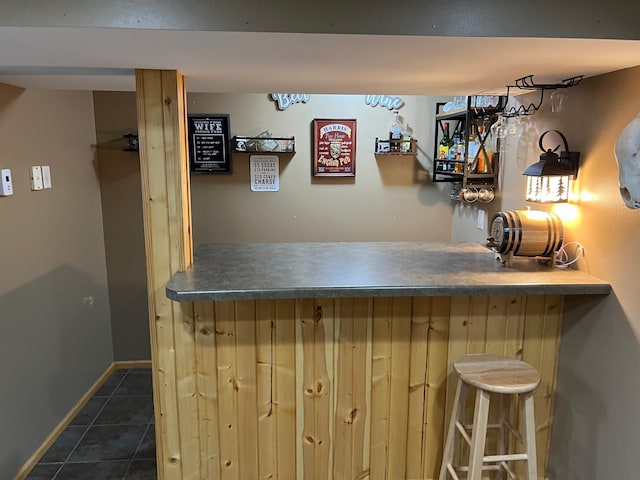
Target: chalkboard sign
(209, 143)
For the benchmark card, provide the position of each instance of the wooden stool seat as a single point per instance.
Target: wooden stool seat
(497, 374)
(491, 374)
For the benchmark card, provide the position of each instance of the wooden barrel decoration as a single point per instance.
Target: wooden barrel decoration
(527, 233)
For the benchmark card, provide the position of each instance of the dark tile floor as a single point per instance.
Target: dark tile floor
(112, 437)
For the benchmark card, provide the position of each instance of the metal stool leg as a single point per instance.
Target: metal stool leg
(530, 435)
(479, 434)
(456, 415)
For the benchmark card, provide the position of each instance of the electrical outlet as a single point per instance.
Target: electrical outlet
(36, 178)
(480, 219)
(6, 185)
(46, 176)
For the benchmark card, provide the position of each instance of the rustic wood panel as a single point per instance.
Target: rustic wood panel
(285, 388)
(316, 391)
(166, 202)
(351, 388)
(266, 384)
(419, 347)
(435, 401)
(227, 390)
(247, 391)
(207, 377)
(540, 348)
(380, 387)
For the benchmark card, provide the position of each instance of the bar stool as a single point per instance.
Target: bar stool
(490, 373)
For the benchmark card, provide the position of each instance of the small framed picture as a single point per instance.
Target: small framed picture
(334, 147)
(208, 137)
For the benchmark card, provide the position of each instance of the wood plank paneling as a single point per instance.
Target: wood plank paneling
(285, 388)
(435, 401)
(380, 387)
(266, 383)
(351, 388)
(316, 389)
(227, 390)
(161, 100)
(419, 343)
(247, 391)
(207, 379)
(399, 397)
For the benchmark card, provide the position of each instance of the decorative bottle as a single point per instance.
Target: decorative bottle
(395, 133)
(445, 143)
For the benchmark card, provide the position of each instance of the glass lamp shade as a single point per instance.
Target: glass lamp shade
(548, 179)
(548, 189)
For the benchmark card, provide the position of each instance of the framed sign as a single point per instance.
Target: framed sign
(334, 147)
(265, 173)
(208, 137)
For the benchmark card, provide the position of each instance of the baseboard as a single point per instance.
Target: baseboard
(64, 423)
(133, 364)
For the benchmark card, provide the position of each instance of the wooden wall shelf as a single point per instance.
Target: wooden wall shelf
(396, 147)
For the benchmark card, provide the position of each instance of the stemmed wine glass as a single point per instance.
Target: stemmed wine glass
(516, 127)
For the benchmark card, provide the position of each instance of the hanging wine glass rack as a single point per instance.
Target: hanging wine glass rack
(527, 83)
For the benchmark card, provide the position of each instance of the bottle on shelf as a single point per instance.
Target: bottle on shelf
(405, 146)
(474, 146)
(457, 151)
(395, 133)
(445, 144)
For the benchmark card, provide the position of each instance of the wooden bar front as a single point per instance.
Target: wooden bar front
(350, 388)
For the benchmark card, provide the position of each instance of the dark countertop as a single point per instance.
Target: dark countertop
(367, 269)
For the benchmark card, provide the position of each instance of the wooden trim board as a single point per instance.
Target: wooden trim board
(132, 364)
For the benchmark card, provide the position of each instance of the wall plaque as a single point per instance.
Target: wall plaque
(209, 143)
(334, 147)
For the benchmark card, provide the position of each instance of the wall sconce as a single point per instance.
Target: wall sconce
(548, 180)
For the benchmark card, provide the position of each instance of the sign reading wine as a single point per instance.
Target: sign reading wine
(386, 101)
(334, 147)
(209, 143)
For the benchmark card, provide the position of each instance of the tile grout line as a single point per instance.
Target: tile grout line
(137, 449)
(89, 426)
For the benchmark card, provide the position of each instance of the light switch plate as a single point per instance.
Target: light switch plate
(36, 178)
(46, 176)
(6, 184)
(480, 219)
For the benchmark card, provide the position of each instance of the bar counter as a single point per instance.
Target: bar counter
(367, 269)
(322, 361)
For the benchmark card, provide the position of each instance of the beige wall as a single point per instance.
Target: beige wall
(389, 199)
(121, 198)
(54, 310)
(594, 432)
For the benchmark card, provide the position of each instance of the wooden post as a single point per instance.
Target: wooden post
(161, 102)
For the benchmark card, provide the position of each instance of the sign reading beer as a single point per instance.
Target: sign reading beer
(209, 143)
(334, 147)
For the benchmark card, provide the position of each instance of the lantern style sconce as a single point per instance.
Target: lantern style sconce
(548, 180)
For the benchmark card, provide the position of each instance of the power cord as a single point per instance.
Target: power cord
(562, 256)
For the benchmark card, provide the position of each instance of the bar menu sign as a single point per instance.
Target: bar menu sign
(209, 143)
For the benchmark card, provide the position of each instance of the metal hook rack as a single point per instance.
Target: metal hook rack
(527, 83)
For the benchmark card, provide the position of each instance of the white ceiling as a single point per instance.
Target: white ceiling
(245, 62)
